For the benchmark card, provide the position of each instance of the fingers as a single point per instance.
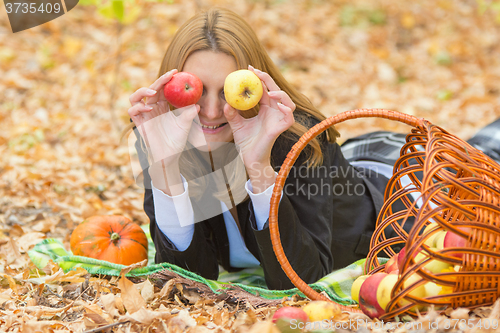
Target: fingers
(234, 119)
(138, 109)
(287, 113)
(154, 93)
(139, 94)
(187, 114)
(265, 99)
(282, 98)
(266, 78)
(272, 91)
(158, 86)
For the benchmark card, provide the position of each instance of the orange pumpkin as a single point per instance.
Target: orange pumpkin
(113, 238)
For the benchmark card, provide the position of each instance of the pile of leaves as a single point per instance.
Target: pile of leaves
(64, 90)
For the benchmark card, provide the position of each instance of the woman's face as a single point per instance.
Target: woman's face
(212, 69)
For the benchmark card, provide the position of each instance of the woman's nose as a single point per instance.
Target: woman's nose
(211, 107)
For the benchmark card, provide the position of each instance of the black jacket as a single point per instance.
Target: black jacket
(326, 217)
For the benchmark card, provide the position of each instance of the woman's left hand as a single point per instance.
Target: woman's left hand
(255, 136)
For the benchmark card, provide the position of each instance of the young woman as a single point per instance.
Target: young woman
(209, 170)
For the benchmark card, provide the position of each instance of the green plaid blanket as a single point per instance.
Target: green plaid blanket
(337, 284)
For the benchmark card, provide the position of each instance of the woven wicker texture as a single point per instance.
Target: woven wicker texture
(454, 188)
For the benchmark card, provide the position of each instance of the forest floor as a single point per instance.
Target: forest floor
(64, 89)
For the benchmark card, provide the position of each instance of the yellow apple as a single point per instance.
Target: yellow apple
(416, 292)
(321, 310)
(430, 241)
(435, 266)
(434, 289)
(384, 290)
(439, 239)
(243, 89)
(356, 286)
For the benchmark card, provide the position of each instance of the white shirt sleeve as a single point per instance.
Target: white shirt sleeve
(261, 203)
(170, 211)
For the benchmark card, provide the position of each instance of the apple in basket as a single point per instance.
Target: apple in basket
(392, 264)
(402, 255)
(356, 286)
(384, 290)
(415, 282)
(368, 296)
(432, 265)
(439, 240)
(435, 240)
(454, 240)
(375, 293)
(433, 289)
(429, 237)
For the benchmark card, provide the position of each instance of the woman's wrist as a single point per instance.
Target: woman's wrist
(167, 178)
(261, 176)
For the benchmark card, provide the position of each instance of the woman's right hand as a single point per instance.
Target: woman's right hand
(165, 132)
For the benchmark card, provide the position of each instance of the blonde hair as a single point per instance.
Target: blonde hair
(221, 30)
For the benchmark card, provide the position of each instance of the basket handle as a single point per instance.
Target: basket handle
(285, 170)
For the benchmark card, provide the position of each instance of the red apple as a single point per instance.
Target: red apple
(287, 319)
(453, 240)
(401, 257)
(368, 296)
(183, 89)
(429, 241)
(391, 264)
(290, 312)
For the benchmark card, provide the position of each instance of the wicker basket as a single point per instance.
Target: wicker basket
(458, 191)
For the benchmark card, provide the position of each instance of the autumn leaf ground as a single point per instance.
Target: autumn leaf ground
(64, 90)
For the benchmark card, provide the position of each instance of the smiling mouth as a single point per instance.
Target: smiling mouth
(209, 127)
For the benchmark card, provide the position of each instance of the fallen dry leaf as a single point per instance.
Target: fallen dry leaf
(146, 317)
(132, 299)
(64, 88)
(109, 302)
